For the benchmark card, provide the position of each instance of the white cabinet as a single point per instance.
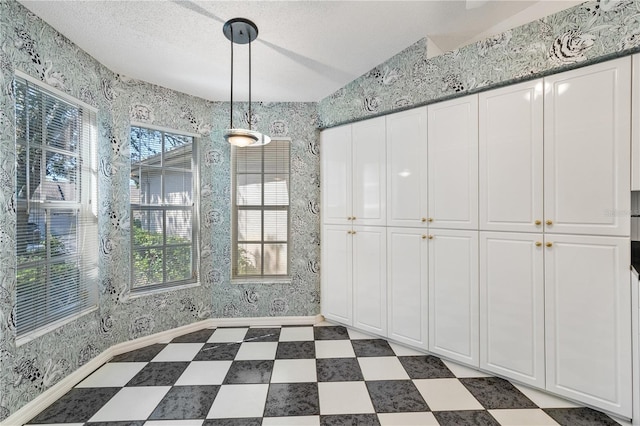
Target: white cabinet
(512, 306)
(588, 320)
(587, 121)
(453, 295)
(337, 274)
(370, 278)
(408, 285)
(453, 163)
(407, 168)
(510, 158)
(635, 124)
(353, 173)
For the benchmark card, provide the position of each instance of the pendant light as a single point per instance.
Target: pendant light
(242, 31)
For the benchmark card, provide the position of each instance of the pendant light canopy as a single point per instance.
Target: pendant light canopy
(242, 31)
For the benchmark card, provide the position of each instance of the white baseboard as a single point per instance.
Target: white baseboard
(48, 397)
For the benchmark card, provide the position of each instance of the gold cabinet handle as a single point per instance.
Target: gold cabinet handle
(549, 222)
(424, 237)
(430, 219)
(549, 244)
(431, 237)
(424, 219)
(353, 232)
(353, 218)
(349, 232)
(538, 243)
(538, 222)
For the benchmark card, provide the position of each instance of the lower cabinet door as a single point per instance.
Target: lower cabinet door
(588, 320)
(370, 278)
(408, 285)
(337, 284)
(512, 306)
(453, 295)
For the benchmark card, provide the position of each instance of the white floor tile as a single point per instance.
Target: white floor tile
(257, 350)
(446, 395)
(174, 423)
(134, 403)
(334, 349)
(344, 398)
(235, 401)
(462, 371)
(204, 373)
(382, 368)
(291, 421)
(228, 335)
(407, 419)
(175, 352)
(113, 374)
(294, 371)
(523, 417)
(358, 335)
(296, 334)
(543, 399)
(54, 424)
(402, 350)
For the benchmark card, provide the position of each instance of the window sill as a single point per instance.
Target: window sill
(141, 292)
(33, 335)
(262, 281)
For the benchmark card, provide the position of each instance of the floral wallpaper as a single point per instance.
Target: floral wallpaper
(29, 44)
(590, 32)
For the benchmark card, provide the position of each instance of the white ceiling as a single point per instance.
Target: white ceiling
(305, 50)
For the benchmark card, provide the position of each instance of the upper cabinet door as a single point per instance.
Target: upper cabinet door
(407, 168)
(511, 155)
(635, 126)
(587, 149)
(453, 163)
(369, 172)
(336, 172)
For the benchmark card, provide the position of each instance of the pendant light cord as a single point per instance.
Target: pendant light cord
(250, 84)
(231, 106)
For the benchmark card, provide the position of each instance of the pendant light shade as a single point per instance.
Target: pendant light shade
(242, 31)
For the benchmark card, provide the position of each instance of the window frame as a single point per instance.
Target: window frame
(163, 207)
(262, 208)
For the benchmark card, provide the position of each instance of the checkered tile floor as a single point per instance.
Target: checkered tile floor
(304, 375)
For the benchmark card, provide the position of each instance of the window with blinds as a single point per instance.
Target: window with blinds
(261, 210)
(57, 236)
(163, 219)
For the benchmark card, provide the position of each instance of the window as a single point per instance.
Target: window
(56, 242)
(163, 214)
(261, 210)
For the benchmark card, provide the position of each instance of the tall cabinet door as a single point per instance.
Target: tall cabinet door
(370, 278)
(337, 285)
(336, 173)
(587, 149)
(588, 320)
(369, 172)
(453, 163)
(407, 168)
(510, 123)
(453, 295)
(512, 306)
(408, 285)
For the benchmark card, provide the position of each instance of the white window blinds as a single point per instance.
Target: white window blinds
(57, 241)
(261, 210)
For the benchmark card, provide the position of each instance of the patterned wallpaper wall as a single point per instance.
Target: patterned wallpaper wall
(583, 34)
(30, 45)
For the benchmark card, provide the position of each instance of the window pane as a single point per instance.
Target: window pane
(147, 228)
(61, 178)
(146, 146)
(249, 259)
(147, 268)
(31, 293)
(275, 225)
(276, 157)
(276, 189)
(177, 188)
(173, 142)
(179, 263)
(62, 124)
(28, 167)
(249, 225)
(248, 160)
(178, 226)
(63, 287)
(63, 228)
(275, 259)
(149, 182)
(249, 192)
(30, 235)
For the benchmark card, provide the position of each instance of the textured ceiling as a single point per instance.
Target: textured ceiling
(305, 50)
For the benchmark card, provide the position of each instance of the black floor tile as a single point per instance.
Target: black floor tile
(466, 417)
(396, 396)
(251, 371)
(257, 421)
(292, 399)
(76, 406)
(349, 420)
(200, 336)
(185, 402)
(262, 335)
(373, 347)
(338, 370)
(159, 374)
(296, 350)
(218, 352)
(425, 367)
(330, 333)
(145, 354)
(495, 393)
(579, 417)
